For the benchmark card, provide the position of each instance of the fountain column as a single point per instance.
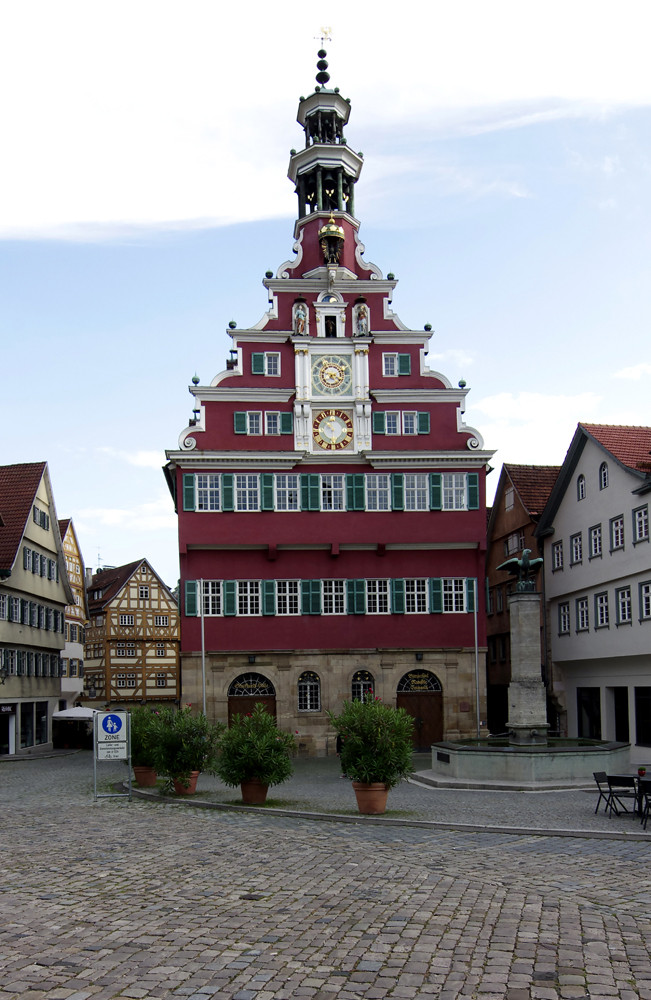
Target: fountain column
(527, 723)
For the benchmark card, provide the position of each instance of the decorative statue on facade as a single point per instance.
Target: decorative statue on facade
(361, 320)
(524, 569)
(300, 319)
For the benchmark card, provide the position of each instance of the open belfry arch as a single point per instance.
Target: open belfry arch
(331, 498)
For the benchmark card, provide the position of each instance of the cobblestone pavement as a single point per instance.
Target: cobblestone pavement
(118, 900)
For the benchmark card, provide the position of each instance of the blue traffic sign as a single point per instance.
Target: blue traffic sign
(112, 724)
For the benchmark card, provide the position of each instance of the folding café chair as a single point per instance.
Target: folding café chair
(604, 792)
(622, 787)
(644, 786)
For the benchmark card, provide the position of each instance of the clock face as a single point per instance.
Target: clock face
(332, 430)
(331, 375)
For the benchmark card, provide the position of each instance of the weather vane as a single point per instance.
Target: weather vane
(325, 35)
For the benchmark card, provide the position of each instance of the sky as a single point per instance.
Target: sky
(143, 194)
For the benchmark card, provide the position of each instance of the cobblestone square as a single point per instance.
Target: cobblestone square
(142, 900)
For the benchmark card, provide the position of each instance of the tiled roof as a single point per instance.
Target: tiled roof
(63, 527)
(534, 483)
(18, 486)
(110, 582)
(630, 445)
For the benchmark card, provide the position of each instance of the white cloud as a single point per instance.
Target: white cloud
(635, 372)
(153, 516)
(147, 459)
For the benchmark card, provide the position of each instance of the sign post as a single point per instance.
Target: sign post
(111, 741)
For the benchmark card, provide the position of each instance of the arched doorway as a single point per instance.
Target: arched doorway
(246, 691)
(421, 695)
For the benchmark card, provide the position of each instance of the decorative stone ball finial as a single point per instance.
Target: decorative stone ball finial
(268, 274)
(390, 276)
(462, 383)
(322, 77)
(195, 379)
(232, 324)
(427, 327)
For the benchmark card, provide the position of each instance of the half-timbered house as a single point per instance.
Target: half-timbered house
(72, 666)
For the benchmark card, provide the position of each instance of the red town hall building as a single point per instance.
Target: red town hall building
(331, 500)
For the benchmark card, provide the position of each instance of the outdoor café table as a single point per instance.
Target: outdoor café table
(638, 793)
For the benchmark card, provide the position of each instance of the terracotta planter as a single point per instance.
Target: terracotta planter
(145, 777)
(371, 799)
(254, 793)
(191, 789)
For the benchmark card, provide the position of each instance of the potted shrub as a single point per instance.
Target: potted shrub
(376, 749)
(255, 754)
(184, 745)
(142, 761)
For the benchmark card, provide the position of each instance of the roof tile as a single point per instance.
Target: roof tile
(630, 445)
(18, 486)
(534, 483)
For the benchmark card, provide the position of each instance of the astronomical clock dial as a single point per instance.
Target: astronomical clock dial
(332, 430)
(331, 375)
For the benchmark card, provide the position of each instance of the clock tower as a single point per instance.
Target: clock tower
(330, 497)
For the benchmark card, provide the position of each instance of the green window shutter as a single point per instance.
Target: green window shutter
(239, 423)
(423, 423)
(350, 594)
(257, 364)
(191, 597)
(267, 491)
(398, 597)
(472, 480)
(310, 492)
(287, 423)
(379, 422)
(404, 364)
(356, 597)
(355, 491)
(470, 594)
(436, 595)
(227, 491)
(268, 597)
(436, 496)
(311, 597)
(188, 491)
(397, 491)
(229, 589)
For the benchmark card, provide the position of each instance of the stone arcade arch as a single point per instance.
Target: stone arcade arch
(420, 693)
(246, 691)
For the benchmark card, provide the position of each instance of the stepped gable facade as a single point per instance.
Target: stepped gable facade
(331, 499)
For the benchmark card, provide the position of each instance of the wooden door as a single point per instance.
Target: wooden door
(242, 705)
(426, 709)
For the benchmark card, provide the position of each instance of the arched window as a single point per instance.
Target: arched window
(603, 476)
(362, 684)
(580, 488)
(419, 680)
(251, 686)
(309, 692)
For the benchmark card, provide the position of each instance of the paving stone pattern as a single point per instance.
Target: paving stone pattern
(157, 900)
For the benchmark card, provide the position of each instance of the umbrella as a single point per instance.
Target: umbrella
(75, 713)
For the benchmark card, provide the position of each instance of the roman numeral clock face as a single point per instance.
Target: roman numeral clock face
(332, 430)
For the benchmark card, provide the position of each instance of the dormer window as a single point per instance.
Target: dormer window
(603, 476)
(580, 488)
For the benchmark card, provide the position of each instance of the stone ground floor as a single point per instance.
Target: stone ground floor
(117, 900)
(437, 687)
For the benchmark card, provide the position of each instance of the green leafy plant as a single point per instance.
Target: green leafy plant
(183, 742)
(254, 747)
(376, 741)
(142, 728)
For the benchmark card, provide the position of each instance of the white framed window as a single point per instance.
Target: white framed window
(624, 605)
(143, 592)
(248, 597)
(73, 668)
(131, 680)
(247, 492)
(309, 692)
(454, 595)
(641, 524)
(603, 476)
(121, 680)
(409, 422)
(580, 488)
(602, 614)
(392, 422)
(160, 649)
(64, 667)
(254, 422)
(576, 548)
(378, 492)
(161, 621)
(377, 597)
(3, 607)
(287, 496)
(126, 619)
(208, 487)
(509, 498)
(454, 491)
(645, 601)
(41, 615)
(287, 597)
(272, 422)
(212, 598)
(73, 633)
(272, 363)
(415, 597)
(617, 533)
(514, 543)
(14, 610)
(416, 492)
(582, 615)
(557, 555)
(332, 493)
(390, 365)
(564, 618)
(161, 680)
(595, 541)
(334, 597)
